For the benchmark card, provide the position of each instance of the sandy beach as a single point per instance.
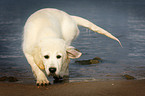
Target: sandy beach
(97, 88)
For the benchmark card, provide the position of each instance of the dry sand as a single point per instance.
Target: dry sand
(98, 88)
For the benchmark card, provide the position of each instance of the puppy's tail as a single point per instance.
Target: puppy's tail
(85, 23)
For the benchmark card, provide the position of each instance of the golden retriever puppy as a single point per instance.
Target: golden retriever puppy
(47, 38)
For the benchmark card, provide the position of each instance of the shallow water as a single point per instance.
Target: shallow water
(125, 19)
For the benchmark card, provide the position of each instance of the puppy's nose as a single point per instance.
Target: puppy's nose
(52, 69)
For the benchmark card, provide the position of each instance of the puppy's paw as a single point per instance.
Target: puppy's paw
(42, 82)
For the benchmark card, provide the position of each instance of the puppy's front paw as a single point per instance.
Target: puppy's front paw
(42, 82)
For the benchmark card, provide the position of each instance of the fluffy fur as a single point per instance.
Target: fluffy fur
(48, 34)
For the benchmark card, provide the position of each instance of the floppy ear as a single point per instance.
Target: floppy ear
(73, 52)
(38, 58)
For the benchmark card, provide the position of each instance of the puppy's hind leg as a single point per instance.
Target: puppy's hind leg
(38, 73)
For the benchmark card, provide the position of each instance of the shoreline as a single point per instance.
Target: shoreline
(95, 88)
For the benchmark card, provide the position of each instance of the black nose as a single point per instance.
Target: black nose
(52, 70)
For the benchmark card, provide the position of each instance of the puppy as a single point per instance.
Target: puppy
(47, 38)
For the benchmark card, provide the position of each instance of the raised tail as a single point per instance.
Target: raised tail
(85, 23)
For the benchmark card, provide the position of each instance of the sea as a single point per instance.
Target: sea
(125, 19)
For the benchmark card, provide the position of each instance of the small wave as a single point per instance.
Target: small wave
(9, 56)
(82, 79)
(136, 54)
(10, 22)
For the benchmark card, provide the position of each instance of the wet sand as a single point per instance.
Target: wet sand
(98, 88)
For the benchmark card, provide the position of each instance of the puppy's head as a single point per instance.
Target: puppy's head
(53, 56)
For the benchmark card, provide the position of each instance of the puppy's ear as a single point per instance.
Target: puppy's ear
(38, 58)
(73, 52)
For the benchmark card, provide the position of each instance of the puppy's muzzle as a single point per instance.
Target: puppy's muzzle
(52, 69)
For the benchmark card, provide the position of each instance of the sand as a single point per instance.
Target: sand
(97, 88)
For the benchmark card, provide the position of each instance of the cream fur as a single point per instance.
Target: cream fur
(50, 32)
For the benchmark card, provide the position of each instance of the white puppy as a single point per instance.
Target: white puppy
(48, 34)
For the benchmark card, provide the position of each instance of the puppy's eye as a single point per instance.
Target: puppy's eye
(58, 56)
(46, 57)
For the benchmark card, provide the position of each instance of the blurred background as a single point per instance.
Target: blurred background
(125, 19)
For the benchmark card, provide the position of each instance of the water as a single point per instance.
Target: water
(123, 18)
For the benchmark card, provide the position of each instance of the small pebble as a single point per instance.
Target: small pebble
(128, 77)
(10, 79)
(4, 78)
